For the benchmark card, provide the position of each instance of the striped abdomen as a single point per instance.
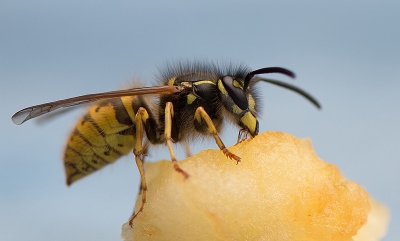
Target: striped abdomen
(102, 135)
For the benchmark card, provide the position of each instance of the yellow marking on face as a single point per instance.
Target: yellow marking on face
(236, 109)
(171, 81)
(222, 88)
(249, 121)
(190, 99)
(237, 84)
(252, 103)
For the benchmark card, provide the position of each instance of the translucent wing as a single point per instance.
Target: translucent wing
(293, 88)
(38, 110)
(44, 119)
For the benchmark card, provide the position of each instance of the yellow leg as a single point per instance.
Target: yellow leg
(141, 116)
(200, 115)
(169, 113)
(187, 150)
(144, 152)
(243, 135)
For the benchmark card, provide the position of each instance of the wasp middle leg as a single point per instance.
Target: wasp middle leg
(169, 114)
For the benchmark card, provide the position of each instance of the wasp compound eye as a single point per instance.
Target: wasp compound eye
(237, 94)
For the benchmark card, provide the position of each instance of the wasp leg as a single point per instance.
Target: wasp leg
(187, 150)
(200, 115)
(145, 150)
(242, 136)
(140, 118)
(169, 114)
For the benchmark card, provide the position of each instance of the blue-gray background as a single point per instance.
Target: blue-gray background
(345, 53)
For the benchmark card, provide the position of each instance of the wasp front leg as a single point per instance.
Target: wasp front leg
(242, 136)
(169, 114)
(200, 116)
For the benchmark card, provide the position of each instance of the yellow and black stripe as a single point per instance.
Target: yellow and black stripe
(100, 137)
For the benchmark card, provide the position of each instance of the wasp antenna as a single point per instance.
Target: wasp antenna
(293, 88)
(268, 70)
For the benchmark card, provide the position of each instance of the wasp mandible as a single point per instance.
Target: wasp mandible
(194, 98)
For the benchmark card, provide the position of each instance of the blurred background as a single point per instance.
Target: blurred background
(346, 54)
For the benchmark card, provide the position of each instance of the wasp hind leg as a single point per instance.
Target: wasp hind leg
(201, 115)
(141, 117)
(145, 150)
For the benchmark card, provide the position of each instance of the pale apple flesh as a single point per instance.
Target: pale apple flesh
(280, 190)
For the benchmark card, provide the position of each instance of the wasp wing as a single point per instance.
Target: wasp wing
(291, 87)
(44, 119)
(38, 110)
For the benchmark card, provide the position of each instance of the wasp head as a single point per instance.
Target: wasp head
(238, 99)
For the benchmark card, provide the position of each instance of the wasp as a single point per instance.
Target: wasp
(193, 99)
